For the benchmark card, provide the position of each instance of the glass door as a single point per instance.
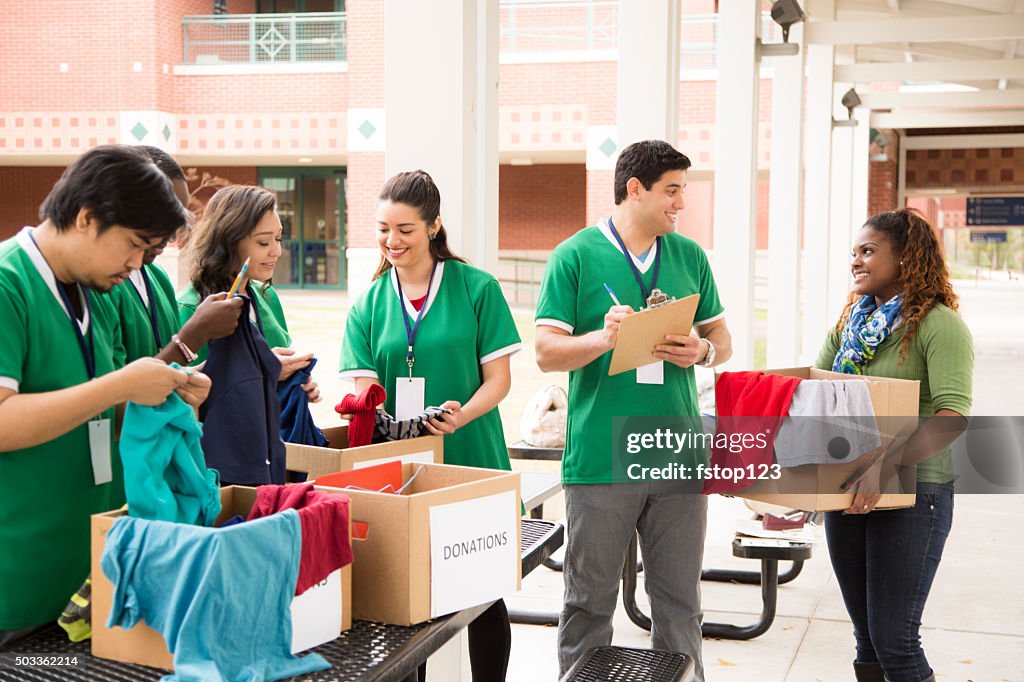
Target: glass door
(311, 203)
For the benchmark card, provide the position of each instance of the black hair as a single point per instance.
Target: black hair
(122, 186)
(418, 190)
(646, 161)
(164, 161)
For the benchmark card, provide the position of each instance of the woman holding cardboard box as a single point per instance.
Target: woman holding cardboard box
(435, 331)
(902, 323)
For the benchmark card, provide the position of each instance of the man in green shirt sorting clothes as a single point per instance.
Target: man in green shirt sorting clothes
(62, 372)
(633, 252)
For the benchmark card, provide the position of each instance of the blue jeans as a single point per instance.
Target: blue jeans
(885, 563)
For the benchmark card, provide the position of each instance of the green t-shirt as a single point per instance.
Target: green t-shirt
(48, 490)
(466, 323)
(573, 298)
(269, 315)
(941, 357)
(136, 324)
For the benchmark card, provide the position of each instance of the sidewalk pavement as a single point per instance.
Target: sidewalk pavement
(973, 626)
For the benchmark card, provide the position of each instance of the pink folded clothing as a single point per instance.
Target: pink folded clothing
(325, 527)
(747, 404)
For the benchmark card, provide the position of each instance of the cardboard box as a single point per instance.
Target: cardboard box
(314, 612)
(815, 487)
(451, 541)
(338, 456)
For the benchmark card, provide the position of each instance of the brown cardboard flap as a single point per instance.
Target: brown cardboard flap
(640, 332)
(317, 461)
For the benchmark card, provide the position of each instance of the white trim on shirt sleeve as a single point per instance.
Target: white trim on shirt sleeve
(551, 322)
(353, 374)
(9, 382)
(501, 352)
(710, 319)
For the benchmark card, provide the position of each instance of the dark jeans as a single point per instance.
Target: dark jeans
(490, 645)
(885, 563)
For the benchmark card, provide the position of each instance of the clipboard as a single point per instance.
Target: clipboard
(640, 332)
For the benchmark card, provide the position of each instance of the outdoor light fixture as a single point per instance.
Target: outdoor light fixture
(880, 140)
(785, 13)
(851, 100)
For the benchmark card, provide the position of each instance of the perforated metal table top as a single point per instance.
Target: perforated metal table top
(368, 651)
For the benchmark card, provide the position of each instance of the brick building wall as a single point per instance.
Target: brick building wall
(539, 206)
(22, 190)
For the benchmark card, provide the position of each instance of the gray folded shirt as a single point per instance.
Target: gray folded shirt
(829, 422)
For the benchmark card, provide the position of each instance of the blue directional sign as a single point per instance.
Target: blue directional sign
(988, 237)
(995, 211)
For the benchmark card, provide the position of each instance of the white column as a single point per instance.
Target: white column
(838, 278)
(440, 100)
(817, 187)
(648, 99)
(785, 206)
(861, 169)
(736, 171)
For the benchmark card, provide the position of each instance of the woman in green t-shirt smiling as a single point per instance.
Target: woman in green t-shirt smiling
(901, 322)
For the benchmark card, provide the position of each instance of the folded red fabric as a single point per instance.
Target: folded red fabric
(363, 409)
(747, 404)
(325, 527)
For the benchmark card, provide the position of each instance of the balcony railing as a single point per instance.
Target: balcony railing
(264, 38)
(580, 26)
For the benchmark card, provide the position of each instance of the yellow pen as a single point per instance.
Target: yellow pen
(238, 280)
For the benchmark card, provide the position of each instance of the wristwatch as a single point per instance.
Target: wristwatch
(709, 359)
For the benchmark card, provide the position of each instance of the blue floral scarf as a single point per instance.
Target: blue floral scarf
(866, 329)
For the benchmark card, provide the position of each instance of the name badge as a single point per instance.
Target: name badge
(409, 394)
(653, 373)
(99, 451)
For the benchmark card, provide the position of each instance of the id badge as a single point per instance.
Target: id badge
(99, 451)
(653, 373)
(409, 394)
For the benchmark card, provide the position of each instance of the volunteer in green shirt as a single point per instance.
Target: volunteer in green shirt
(61, 373)
(901, 322)
(146, 303)
(632, 252)
(241, 222)
(455, 319)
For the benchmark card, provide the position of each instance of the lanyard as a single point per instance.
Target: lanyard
(632, 266)
(151, 310)
(88, 352)
(412, 327)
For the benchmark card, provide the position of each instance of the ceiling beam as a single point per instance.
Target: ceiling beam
(946, 119)
(962, 141)
(919, 30)
(978, 69)
(939, 100)
(1011, 46)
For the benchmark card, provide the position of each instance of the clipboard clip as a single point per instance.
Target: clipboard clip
(658, 298)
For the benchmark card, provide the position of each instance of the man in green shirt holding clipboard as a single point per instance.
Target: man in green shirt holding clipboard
(633, 252)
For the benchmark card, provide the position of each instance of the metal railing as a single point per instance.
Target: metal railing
(264, 38)
(573, 26)
(523, 286)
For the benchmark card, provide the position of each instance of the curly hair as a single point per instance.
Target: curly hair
(230, 216)
(924, 275)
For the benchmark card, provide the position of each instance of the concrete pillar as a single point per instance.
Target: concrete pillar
(817, 187)
(648, 99)
(785, 206)
(736, 171)
(440, 101)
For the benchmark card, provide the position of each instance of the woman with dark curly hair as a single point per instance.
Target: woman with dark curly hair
(901, 322)
(241, 222)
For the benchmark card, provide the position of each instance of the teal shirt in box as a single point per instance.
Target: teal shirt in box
(573, 298)
(48, 490)
(466, 323)
(269, 314)
(941, 357)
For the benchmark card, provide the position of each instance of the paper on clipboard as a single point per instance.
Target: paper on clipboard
(640, 332)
